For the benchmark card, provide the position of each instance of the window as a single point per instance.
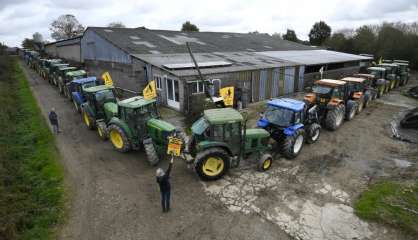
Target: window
(197, 87)
(218, 132)
(158, 82)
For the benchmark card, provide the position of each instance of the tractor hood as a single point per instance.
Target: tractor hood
(161, 125)
(256, 133)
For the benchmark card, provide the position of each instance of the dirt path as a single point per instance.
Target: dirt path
(114, 196)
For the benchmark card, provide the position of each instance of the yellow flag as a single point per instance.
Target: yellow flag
(107, 79)
(174, 146)
(227, 93)
(150, 91)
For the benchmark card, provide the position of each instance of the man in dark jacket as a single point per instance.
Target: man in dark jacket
(163, 179)
(53, 119)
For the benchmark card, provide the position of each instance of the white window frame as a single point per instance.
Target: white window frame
(198, 82)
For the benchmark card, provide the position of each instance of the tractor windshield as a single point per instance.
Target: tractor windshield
(149, 110)
(377, 74)
(321, 89)
(105, 96)
(88, 84)
(200, 126)
(279, 116)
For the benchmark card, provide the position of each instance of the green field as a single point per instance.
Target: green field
(392, 203)
(31, 177)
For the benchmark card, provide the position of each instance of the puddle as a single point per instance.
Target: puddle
(402, 163)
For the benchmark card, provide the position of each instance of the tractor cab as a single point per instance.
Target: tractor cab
(96, 99)
(75, 90)
(355, 86)
(220, 141)
(327, 91)
(283, 113)
(391, 73)
(403, 71)
(73, 75)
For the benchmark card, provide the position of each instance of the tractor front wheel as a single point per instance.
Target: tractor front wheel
(88, 120)
(119, 138)
(102, 131)
(335, 117)
(313, 132)
(293, 144)
(212, 164)
(352, 107)
(152, 155)
(265, 162)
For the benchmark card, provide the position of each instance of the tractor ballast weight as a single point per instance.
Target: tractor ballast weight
(220, 141)
(290, 123)
(333, 102)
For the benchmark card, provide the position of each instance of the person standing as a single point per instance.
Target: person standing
(163, 180)
(53, 119)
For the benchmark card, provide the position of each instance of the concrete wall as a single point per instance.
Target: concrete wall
(51, 50)
(95, 47)
(333, 74)
(70, 52)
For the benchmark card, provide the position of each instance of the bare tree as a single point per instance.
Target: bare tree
(66, 26)
(116, 25)
(37, 37)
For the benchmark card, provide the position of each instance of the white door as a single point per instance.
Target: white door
(173, 93)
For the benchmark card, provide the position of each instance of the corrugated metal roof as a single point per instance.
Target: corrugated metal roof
(240, 61)
(314, 57)
(202, 42)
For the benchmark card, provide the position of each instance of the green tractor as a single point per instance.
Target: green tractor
(403, 71)
(391, 74)
(220, 141)
(53, 68)
(135, 123)
(97, 98)
(59, 74)
(379, 81)
(65, 76)
(46, 67)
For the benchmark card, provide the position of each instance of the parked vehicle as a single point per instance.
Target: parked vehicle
(334, 103)
(53, 68)
(379, 80)
(290, 123)
(46, 65)
(369, 84)
(359, 91)
(403, 71)
(391, 74)
(65, 76)
(77, 87)
(220, 141)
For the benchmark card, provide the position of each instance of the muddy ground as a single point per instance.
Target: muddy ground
(114, 195)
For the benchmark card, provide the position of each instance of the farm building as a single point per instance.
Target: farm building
(68, 49)
(258, 65)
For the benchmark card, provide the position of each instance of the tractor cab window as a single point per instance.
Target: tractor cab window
(321, 89)
(232, 130)
(218, 132)
(105, 96)
(337, 93)
(298, 117)
(149, 110)
(200, 127)
(279, 116)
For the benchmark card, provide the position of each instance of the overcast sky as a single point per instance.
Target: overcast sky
(21, 18)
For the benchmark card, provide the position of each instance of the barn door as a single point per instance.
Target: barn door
(289, 77)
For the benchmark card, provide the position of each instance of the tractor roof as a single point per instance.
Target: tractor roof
(84, 80)
(330, 82)
(366, 75)
(76, 73)
(222, 115)
(59, 64)
(353, 79)
(401, 61)
(388, 65)
(377, 68)
(257, 133)
(64, 68)
(98, 88)
(288, 103)
(135, 102)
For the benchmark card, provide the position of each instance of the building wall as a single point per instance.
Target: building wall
(333, 74)
(95, 47)
(69, 52)
(51, 50)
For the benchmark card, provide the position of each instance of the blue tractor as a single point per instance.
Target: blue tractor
(290, 123)
(77, 87)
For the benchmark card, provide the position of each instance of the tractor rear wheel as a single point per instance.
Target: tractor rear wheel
(152, 155)
(119, 138)
(88, 120)
(335, 117)
(352, 107)
(292, 145)
(265, 162)
(102, 131)
(313, 132)
(212, 164)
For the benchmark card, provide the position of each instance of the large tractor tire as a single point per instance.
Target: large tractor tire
(76, 106)
(212, 164)
(152, 155)
(292, 145)
(89, 121)
(351, 110)
(265, 162)
(102, 131)
(67, 94)
(335, 118)
(313, 132)
(360, 105)
(119, 138)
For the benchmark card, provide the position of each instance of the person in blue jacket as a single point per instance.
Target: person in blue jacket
(163, 180)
